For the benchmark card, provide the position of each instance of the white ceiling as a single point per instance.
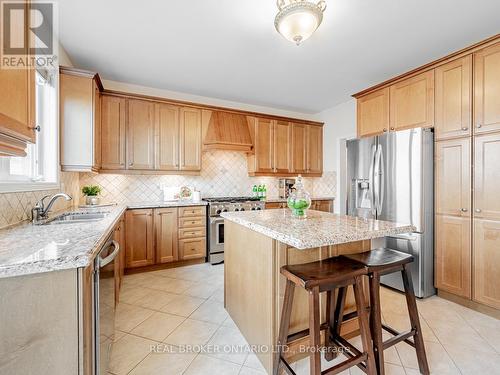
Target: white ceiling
(229, 49)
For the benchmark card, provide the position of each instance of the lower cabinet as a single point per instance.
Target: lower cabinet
(486, 255)
(139, 238)
(453, 254)
(165, 235)
(318, 205)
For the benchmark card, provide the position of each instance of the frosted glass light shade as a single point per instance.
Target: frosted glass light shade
(298, 20)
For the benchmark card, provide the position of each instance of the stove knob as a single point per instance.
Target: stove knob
(218, 212)
(258, 208)
(242, 209)
(224, 210)
(253, 208)
(237, 209)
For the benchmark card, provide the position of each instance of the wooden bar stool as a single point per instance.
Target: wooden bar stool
(325, 276)
(381, 262)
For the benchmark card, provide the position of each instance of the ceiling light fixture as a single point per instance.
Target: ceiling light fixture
(297, 20)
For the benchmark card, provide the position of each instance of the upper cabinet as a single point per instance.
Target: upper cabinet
(112, 132)
(17, 104)
(167, 135)
(190, 139)
(80, 120)
(140, 134)
(283, 148)
(412, 102)
(373, 113)
(487, 89)
(454, 99)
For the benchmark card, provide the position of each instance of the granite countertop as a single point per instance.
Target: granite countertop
(28, 249)
(279, 200)
(318, 229)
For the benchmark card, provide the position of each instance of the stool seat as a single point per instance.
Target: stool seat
(381, 258)
(324, 272)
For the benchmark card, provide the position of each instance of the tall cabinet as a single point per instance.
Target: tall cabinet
(467, 240)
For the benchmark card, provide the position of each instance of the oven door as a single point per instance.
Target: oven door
(216, 235)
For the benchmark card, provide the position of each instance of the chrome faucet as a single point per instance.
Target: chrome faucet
(40, 213)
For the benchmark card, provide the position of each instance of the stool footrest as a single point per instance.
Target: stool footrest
(392, 331)
(286, 366)
(353, 351)
(301, 334)
(397, 339)
(351, 362)
(353, 314)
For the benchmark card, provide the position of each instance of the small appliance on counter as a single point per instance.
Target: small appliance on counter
(286, 186)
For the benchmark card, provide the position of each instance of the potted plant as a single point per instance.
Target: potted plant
(91, 193)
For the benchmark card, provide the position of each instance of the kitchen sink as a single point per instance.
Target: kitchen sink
(77, 217)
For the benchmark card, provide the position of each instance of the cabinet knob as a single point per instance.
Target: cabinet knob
(478, 210)
(384, 130)
(479, 125)
(36, 128)
(463, 209)
(392, 128)
(465, 128)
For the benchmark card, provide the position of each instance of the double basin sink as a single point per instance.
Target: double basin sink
(77, 217)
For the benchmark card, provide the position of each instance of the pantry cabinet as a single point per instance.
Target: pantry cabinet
(18, 101)
(454, 99)
(487, 89)
(140, 134)
(80, 120)
(113, 114)
(139, 238)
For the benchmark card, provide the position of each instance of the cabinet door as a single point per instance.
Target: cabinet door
(119, 236)
(299, 148)
(487, 176)
(325, 206)
(17, 107)
(453, 177)
(190, 141)
(487, 89)
(264, 157)
(373, 113)
(282, 143)
(453, 254)
(97, 126)
(314, 149)
(454, 99)
(273, 205)
(192, 248)
(140, 134)
(486, 260)
(166, 235)
(412, 102)
(112, 132)
(139, 238)
(167, 135)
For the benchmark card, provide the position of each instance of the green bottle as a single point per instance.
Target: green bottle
(259, 191)
(255, 193)
(264, 192)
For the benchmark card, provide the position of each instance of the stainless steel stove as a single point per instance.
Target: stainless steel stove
(216, 223)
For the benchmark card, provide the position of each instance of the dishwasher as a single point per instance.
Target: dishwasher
(104, 302)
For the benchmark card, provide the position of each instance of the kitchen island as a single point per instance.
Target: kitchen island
(258, 244)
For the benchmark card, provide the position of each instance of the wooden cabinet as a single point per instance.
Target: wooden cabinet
(80, 120)
(373, 113)
(487, 89)
(17, 102)
(323, 205)
(282, 139)
(140, 134)
(486, 252)
(112, 132)
(167, 135)
(190, 139)
(299, 148)
(453, 254)
(263, 145)
(119, 237)
(453, 177)
(412, 102)
(275, 205)
(314, 150)
(454, 99)
(139, 238)
(192, 248)
(166, 235)
(487, 176)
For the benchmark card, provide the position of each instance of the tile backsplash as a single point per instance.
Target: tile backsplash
(16, 207)
(224, 173)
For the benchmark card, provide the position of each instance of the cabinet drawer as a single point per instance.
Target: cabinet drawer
(192, 233)
(191, 222)
(192, 211)
(192, 248)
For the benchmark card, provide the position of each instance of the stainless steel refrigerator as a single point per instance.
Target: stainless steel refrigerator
(391, 177)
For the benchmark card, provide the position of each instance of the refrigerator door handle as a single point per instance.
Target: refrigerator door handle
(376, 179)
(371, 181)
(380, 178)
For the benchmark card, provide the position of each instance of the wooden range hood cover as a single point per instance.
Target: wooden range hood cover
(228, 131)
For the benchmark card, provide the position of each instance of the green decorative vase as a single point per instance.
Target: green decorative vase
(300, 200)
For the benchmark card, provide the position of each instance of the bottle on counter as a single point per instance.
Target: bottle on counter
(255, 192)
(264, 193)
(259, 191)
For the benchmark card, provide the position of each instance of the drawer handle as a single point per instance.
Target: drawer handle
(478, 210)
(465, 128)
(463, 209)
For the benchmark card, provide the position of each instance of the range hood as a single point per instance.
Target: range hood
(228, 131)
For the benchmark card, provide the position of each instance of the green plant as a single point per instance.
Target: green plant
(91, 190)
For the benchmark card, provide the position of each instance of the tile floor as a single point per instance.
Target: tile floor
(161, 312)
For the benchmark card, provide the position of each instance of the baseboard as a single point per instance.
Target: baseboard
(494, 313)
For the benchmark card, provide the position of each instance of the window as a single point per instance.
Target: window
(39, 169)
